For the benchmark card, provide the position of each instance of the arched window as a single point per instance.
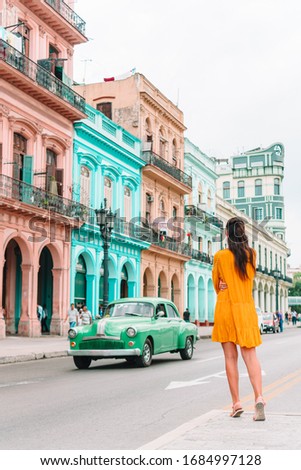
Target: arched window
(53, 175)
(174, 152)
(277, 186)
(226, 189)
(148, 135)
(162, 143)
(200, 193)
(241, 189)
(258, 187)
(209, 199)
(162, 208)
(108, 191)
(174, 212)
(127, 204)
(85, 185)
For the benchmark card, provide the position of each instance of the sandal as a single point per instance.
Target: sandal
(259, 410)
(236, 410)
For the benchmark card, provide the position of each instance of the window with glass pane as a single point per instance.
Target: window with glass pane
(277, 186)
(226, 189)
(278, 213)
(258, 187)
(241, 189)
(258, 213)
(105, 108)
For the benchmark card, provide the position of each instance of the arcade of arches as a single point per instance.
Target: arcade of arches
(33, 272)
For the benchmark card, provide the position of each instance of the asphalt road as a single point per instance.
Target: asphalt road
(49, 404)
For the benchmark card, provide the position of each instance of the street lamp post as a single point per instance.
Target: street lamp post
(105, 220)
(277, 274)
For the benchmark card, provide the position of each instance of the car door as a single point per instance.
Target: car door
(164, 332)
(174, 324)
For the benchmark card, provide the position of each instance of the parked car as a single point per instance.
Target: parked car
(270, 322)
(134, 329)
(260, 319)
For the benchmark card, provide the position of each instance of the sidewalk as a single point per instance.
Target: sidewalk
(21, 349)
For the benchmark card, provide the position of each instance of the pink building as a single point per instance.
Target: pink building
(37, 111)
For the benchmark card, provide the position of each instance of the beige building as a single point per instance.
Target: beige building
(137, 105)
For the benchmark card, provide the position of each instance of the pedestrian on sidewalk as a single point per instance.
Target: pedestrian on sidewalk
(73, 316)
(45, 328)
(235, 317)
(86, 316)
(186, 315)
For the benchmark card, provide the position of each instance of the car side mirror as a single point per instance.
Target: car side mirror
(160, 314)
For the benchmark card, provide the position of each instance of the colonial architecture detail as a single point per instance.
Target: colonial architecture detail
(106, 167)
(38, 108)
(252, 182)
(138, 106)
(203, 233)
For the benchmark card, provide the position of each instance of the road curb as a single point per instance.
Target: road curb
(32, 357)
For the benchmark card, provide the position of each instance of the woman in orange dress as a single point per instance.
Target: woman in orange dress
(235, 317)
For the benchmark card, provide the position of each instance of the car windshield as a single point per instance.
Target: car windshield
(268, 316)
(140, 309)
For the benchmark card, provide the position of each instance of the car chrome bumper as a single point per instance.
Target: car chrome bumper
(104, 352)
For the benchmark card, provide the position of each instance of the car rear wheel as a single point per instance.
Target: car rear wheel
(187, 352)
(145, 359)
(82, 362)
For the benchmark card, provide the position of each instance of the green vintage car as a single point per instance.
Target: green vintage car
(133, 329)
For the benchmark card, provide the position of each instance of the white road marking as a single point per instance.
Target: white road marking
(13, 384)
(203, 380)
(210, 359)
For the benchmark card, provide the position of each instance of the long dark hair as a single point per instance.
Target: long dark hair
(238, 244)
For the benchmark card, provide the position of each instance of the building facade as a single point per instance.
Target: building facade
(37, 111)
(253, 182)
(139, 107)
(203, 232)
(106, 170)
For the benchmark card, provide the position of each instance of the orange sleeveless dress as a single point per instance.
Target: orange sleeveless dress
(235, 317)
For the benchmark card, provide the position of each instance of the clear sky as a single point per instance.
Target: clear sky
(232, 66)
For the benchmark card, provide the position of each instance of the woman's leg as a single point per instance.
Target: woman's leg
(254, 370)
(231, 358)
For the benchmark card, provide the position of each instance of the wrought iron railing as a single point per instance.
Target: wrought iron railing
(151, 158)
(21, 192)
(206, 217)
(41, 76)
(132, 229)
(68, 14)
(200, 256)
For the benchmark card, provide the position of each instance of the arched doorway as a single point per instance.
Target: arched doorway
(210, 301)
(175, 290)
(162, 290)
(80, 282)
(45, 284)
(12, 286)
(201, 300)
(191, 297)
(148, 284)
(124, 291)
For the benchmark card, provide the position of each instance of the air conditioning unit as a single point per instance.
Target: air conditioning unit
(150, 198)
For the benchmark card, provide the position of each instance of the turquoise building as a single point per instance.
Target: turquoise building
(203, 232)
(106, 167)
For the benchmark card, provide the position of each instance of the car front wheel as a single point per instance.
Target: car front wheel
(82, 362)
(145, 359)
(187, 352)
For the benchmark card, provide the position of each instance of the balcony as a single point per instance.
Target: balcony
(34, 80)
(177, 176)
(132, 230)
(59, 17)
(18, 196)
(206, 218)
(200, 256)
